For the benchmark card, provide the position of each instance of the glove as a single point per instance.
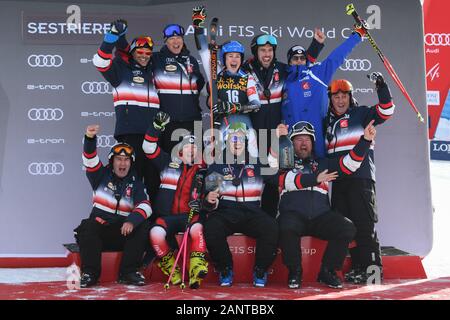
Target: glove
(195, 205)
(161, 120)
(117, 29)
(377, 78)
(198, 17)
(361, 28)
(222, 108)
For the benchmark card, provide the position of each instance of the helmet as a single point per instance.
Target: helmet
(344, 86)
(173, 30)
(295, 50)
(340, 85)
(141, 42)
(261, 40)
(232, 46)
(303, 127)
(123, 149)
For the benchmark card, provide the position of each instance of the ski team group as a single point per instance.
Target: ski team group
(154, 187)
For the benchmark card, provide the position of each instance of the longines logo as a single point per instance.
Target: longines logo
(51, 87)
(45, 61)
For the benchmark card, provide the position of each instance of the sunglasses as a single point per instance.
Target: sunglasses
(303, 126)
(121, 148)
(143, 52)
(298, 58)
(266, 39)
(173, 30)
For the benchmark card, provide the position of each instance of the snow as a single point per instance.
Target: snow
(436, 264)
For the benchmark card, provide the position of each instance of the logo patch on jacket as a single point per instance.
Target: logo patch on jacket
(171, 68)
(344, 124)
(138, 79)
(174, 165)
(128, 192)
(276, 76)
(250, 173)
(306, 85)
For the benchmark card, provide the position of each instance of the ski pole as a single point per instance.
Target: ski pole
(183, 246)
(183, 243)
(352, 11)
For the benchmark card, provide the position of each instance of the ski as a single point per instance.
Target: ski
(352, 11)
(214, 49)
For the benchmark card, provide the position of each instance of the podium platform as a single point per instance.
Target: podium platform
(397, 264)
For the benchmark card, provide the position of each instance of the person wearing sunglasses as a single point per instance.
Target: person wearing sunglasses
(236, 207)
(304, 204)
(355, 196)
(119, 216)
(305, 88)
(182, 175)
(135, 98)
(270, 74)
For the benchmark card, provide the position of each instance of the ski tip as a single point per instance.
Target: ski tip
(350, 8)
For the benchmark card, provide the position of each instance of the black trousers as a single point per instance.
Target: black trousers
(254, 223)
(331, 226)
(356, 199)
(93, 238)
(144, 168)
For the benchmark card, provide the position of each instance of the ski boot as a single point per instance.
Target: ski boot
(198, 269)
(166, 264)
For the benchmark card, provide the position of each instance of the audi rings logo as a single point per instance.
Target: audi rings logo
(356, 65)
(105, 141)
(437, 39)
(89, 87)
(45, 114)
(45, 61)
(46, 168)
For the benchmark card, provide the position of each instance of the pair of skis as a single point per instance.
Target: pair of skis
(352, 11)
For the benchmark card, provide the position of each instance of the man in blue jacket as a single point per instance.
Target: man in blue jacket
(305, 89)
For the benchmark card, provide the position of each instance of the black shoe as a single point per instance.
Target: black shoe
(132, 278)
(87, 280)
(363, 277)
(295, 278)
(354, 275)
(330, 278)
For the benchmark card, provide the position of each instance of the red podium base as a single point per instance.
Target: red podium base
(396, 264)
